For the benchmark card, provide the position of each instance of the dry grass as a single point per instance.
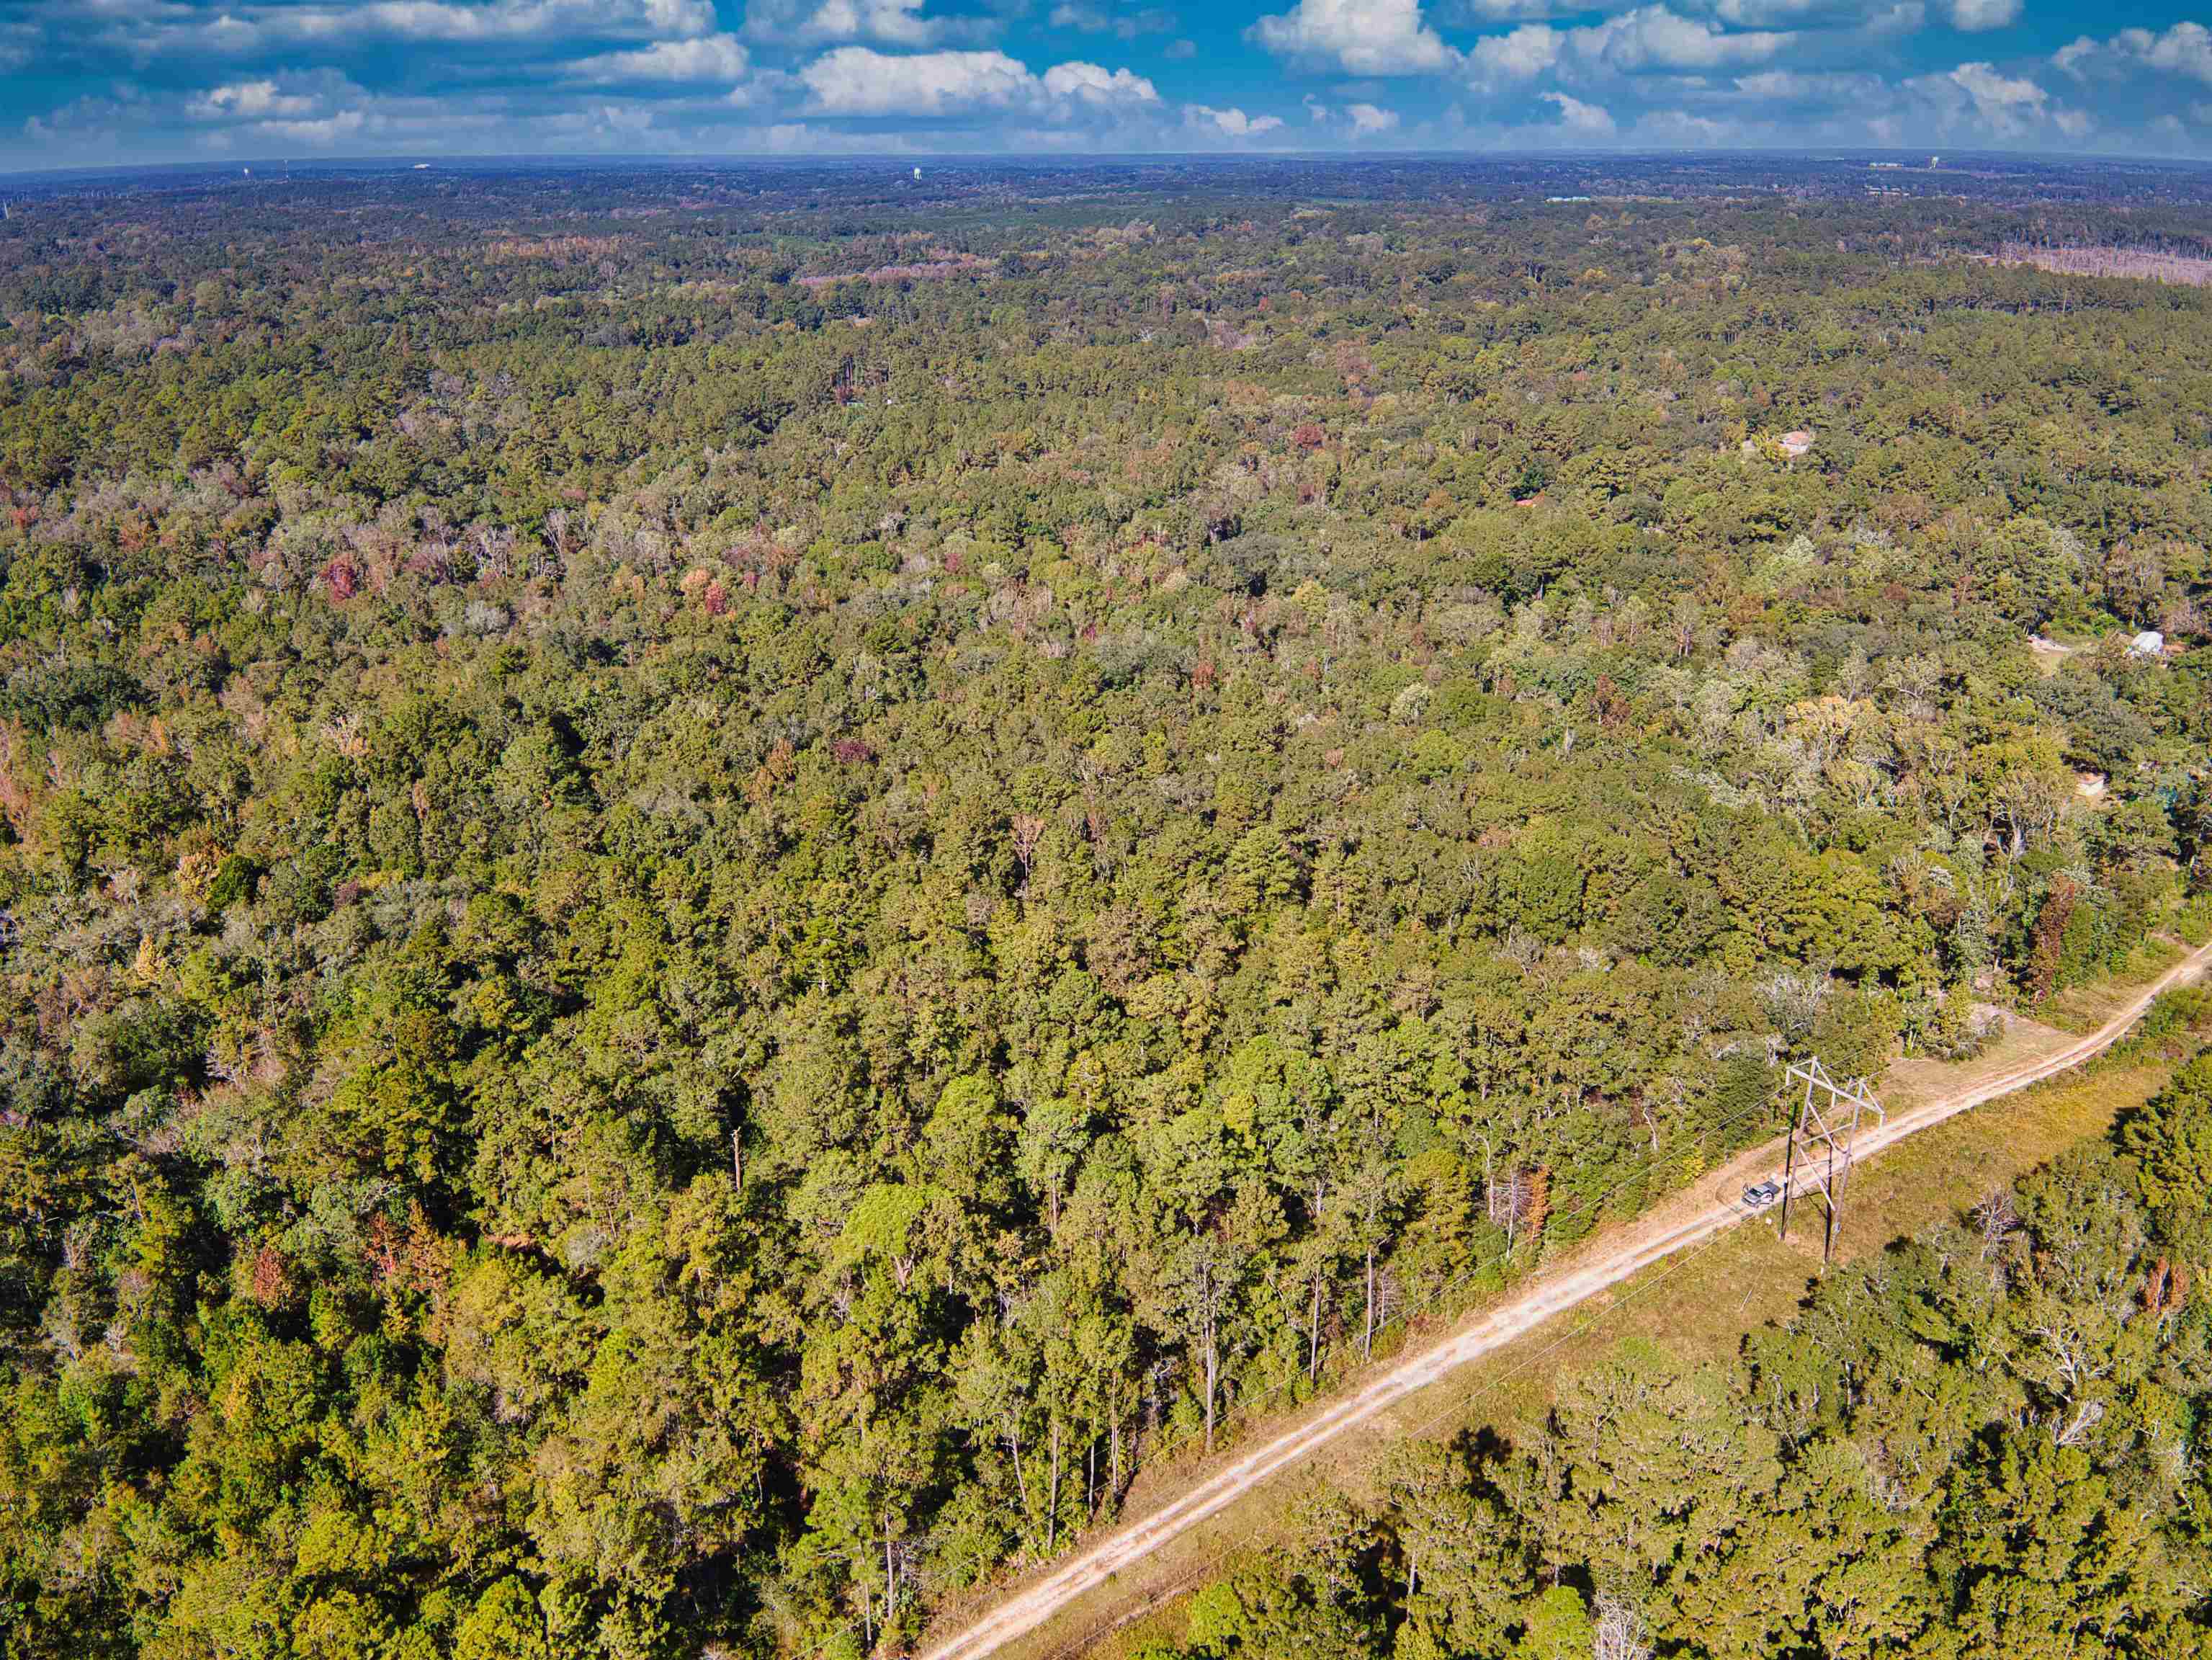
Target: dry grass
(1909, 1082)
(2084, 1008)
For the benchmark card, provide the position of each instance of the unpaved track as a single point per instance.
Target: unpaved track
(1589, 1272)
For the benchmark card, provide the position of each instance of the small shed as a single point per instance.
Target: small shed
(2150, 643)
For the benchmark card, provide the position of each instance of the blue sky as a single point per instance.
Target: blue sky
(87, 83)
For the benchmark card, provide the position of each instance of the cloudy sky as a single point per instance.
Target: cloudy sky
(99, 81)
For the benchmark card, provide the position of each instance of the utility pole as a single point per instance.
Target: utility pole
(1821, 1138)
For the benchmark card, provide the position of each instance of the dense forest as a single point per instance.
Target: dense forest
(719, 889)
(1987, 1443)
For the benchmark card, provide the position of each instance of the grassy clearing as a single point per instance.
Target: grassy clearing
(1694, 1307)
(2084, 1008)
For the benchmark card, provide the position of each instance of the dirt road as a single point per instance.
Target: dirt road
(1590, 1271)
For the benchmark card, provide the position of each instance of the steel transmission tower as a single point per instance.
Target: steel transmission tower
(1821, 1138)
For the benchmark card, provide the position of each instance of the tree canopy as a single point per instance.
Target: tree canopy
(719, 889)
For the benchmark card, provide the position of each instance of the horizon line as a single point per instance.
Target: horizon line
(418, 160)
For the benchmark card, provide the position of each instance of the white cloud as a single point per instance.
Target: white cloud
(1089, 84)
(713, 57)
(249, 100)
(895, 22)
(1865, 16)
(1773, 85)
(497, 75)
(1584, 120)
(1679, 129)
(808, 138)
(1522, 54)
(1983, 99)
(87, 123)
(1994, 94)
(601, 123)
(1654, 38)
(454, 21)
(170, 29)
(1826, 88)
(1976, 15)
(860, 81)
(316, 108)
(857, 81)
(888, 22)
(2185, 49)
(1360, 37)
(1767, 14)
(2076, 57)
(320, 133)
(1089, 18)
(1233, 122)
(1644, 39)
(1513, 11)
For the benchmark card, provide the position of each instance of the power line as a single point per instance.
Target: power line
(1821, 1138)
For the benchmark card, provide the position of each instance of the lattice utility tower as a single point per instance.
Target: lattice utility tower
(1826, 1129)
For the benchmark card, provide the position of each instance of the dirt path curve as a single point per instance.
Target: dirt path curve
(1637, 1247)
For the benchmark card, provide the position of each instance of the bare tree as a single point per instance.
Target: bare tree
(2144, 265)
(1996, 1221)
(2027, 803)
(1622, 1633)
(1029, 829)
(560, 531)
(1684, 619)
